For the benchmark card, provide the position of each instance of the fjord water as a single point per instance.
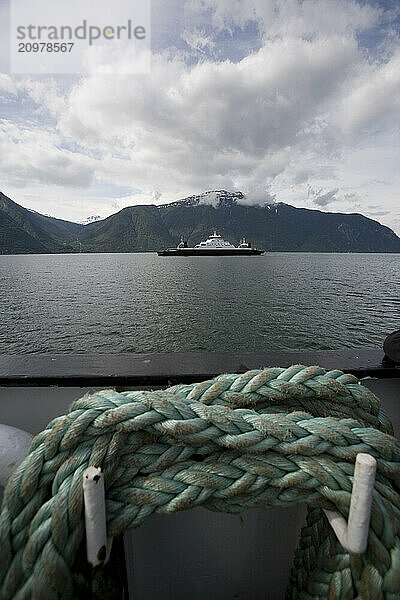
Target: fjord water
(141, 303)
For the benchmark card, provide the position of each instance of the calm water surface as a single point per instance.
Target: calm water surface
(112, 303)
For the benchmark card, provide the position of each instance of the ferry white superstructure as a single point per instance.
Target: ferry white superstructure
(215, 241)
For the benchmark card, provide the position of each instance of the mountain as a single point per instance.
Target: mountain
(91, 219)
(271, 227)
(24, 231)
(133, 229)
(275, 226)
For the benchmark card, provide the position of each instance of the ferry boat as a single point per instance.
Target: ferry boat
(214, 245)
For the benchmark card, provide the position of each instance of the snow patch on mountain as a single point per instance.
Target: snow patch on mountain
(223, 198)
(215, 198)
(91, 219)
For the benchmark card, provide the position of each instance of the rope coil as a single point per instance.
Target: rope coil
(272, 437)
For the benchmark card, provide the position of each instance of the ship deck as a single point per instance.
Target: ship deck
(210, 252)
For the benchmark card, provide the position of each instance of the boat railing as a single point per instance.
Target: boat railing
(34, 388)
(134, 370)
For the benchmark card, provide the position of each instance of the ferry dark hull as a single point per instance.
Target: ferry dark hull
(193, 252)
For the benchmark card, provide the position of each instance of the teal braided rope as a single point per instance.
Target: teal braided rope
(272, 437)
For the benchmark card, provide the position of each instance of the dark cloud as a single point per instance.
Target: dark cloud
(322, 199)
(379, 213)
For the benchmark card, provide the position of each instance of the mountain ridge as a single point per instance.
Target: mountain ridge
(34, 230)
(145, 228)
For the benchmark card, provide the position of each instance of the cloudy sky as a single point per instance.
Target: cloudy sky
(286, 100)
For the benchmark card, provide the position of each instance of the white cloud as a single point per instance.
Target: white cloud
(373, 98)
(258, 193)
(198, 40)
(7, 86)
(32, 155)
(47, 94)
(257, 105)
(211, 125)
(210, 197)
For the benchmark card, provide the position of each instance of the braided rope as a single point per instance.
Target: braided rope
(276, 437)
